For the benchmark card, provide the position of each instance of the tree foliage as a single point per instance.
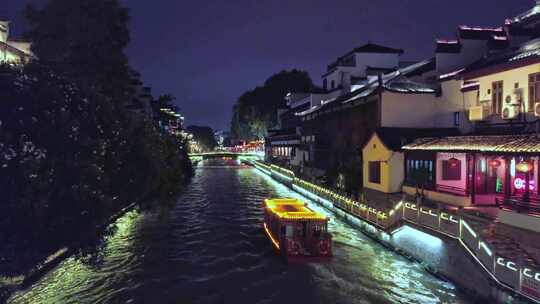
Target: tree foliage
(204, 136)
(255, 111)
(71, 153)
(84, 40)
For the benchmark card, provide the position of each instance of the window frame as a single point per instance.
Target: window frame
(374, 172)
(497, 96)
(448, 173)
(534, 90)
(415, 164)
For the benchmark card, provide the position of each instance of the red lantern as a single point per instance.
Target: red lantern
(524, 167)
(495, 163)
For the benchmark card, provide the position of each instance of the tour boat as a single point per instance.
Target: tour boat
(296, 231)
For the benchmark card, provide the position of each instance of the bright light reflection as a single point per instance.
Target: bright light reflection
(428, 242)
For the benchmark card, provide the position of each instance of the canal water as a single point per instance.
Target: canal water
(210, 248)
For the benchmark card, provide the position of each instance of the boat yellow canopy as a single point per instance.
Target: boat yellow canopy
(292, 209)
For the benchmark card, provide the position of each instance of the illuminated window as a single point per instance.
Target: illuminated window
(375, 172)
(451, 169)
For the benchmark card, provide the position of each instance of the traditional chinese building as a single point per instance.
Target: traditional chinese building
(497, 162)
(283, 143)
(336, 130)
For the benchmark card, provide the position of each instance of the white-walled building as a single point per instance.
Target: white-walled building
(13, 50)
(472, 43)
(496, 92)
(369, 59)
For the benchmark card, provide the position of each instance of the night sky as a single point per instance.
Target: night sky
(207, 53)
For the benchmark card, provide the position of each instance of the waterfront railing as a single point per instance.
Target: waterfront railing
(510, 271)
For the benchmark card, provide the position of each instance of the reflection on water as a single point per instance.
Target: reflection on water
(210, 248)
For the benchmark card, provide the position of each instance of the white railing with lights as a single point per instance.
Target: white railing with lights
(516, 275)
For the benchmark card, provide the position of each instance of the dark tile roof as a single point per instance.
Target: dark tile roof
(470, 86)
(376, 48)
(366, 48)
(281, 132)
(395, 138)
(448, 46)
(395, 82)
(479, 33)
(290, 113)
(357, 79)
(404, 85)
(377, 70)
(498, 43)
(528, 50)
(522, 143)
(419, 68)
(533, 13)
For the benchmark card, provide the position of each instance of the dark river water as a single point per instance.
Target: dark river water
(210, 248)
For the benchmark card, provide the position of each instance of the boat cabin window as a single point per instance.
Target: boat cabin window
(289, 231)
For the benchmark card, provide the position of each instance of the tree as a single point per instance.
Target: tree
(255, 111)
(204, 136)
(83, 40)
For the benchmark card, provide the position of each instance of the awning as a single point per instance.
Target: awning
(524, 143)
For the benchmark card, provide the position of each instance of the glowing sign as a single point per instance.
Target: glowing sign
(519, 184)
(524, 167)
(495, 163)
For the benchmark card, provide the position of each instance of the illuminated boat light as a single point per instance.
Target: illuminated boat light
(471, 231)
(276, 244)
